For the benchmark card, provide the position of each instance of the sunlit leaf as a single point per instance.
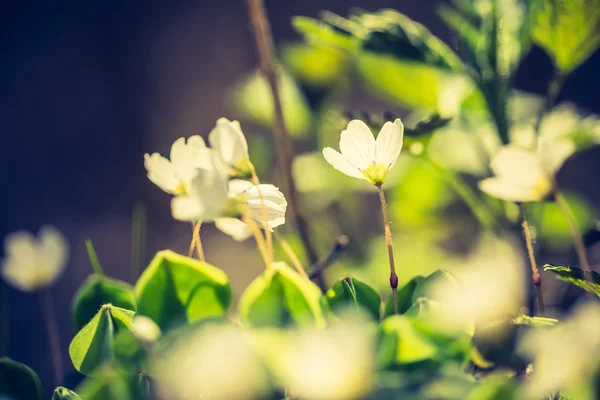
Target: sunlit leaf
(96, 291)
(349, 292)
(175, 289)
(93, 343)
(325, 33)
(569, 30)
(62, 393)
(18, 381)
(577, 277)
(317, 66)
(253, 100)
(280, 296)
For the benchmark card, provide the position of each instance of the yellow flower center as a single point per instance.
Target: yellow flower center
(242, 170)
(542, 188)
(180, 190)
(375, 173)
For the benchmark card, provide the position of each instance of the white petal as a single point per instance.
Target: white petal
(233, 227)
(338, 162)
(177, 149)
(184, 159)
(518, 166)
(206, 200)
(504, 189)
(228, 139)
(161, 172)
(54, 251)
(237, 186)
(552, 153)
(389, 143)
(357, 144)
(266, 205)
(199, 153)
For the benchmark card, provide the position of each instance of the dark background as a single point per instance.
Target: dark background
(86, 88)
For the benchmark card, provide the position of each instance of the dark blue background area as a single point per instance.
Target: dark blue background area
(80, 103)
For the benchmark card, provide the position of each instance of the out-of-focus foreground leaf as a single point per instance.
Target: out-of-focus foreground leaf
(18, 381)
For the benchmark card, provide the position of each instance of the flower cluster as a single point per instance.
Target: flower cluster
(206, 186)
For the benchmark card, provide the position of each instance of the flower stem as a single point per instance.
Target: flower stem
(290, 253)
(93, 258)
(263, 39)
(49, 316)
(4, 320)
(481, 213)
(260, 239)
(197, 242)
(268, 234)
(551, 96)
(535, 274)
(576, 233)
(138, 240)
(388, 240)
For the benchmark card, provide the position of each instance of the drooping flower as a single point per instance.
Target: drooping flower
(524, 176)
(33, 263)
(230, 143)
(362, 156)
(211, 197)
(566, 355)
(175, 175)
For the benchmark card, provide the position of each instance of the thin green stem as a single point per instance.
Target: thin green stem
(138, 240)
(551, 96)
(535, 274)
(51, 324)
(482, 213)
(576, 233)
(388, 240)
(93, 257)
(4, 320)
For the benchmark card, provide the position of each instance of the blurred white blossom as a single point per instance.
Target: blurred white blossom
(490, 284)
(32, 263)
(328, 364)
(145, 329)
(565, 355)
(175, 175)
(228, 140)
(362, 156)
(215, 363)
(522, 175)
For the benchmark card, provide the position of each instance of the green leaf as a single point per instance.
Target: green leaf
(128, 352)
(569, 30)
(62, 393)
(280, 296)
(316, 66)
(576, 276)
(401, 343)
(18, 381)
(405, 297)
(350, 292)
(175, 289)
(96, 291)
(323, 33)
(425, 287)
(93, 344)
(111, 384)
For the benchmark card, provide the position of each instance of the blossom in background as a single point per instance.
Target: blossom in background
(362, 156)
(175, 175)
(564, 356)
(33, 263)
(522, 175)
(145, 329)
(228, 140)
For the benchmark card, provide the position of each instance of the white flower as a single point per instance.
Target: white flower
(333, 364)
(145, 329)
(213, 198)
(228, 140)
(565, 355)
(522, 175)
(174, 175)
(32, 263)
(362, 156)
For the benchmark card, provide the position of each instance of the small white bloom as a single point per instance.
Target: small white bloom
(174, 175)
(228, 140)
(145, 329)
(565, 355)
(522, 175)
(362, 156)
(32, 263)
